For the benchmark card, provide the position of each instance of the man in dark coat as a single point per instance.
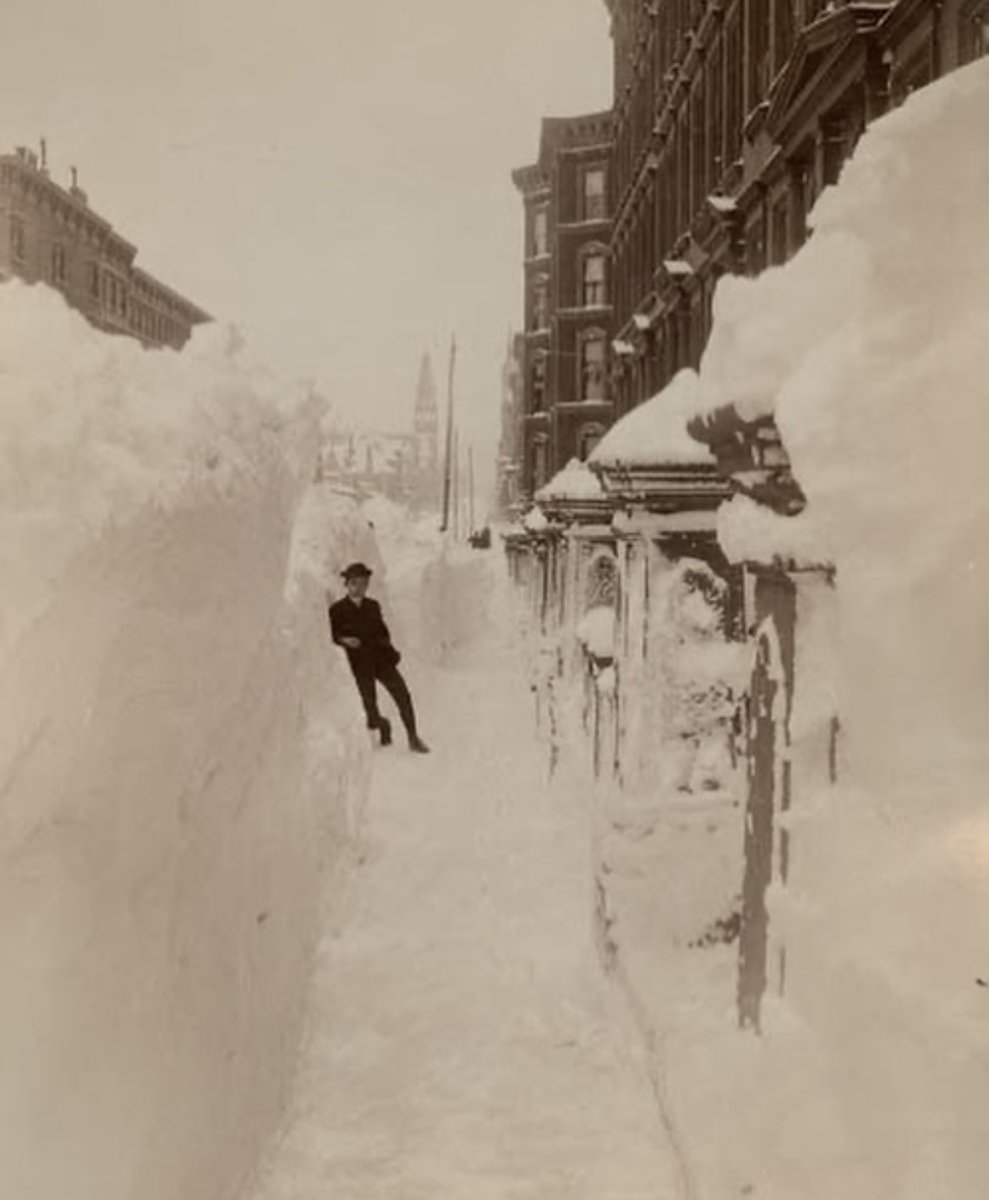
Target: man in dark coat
(356, 624)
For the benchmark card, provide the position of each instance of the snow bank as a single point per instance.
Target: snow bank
(455, 603)
(174, 739)
(655, 433)
(870, 347)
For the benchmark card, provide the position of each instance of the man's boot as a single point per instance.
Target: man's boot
(417, 745)
(384, 728)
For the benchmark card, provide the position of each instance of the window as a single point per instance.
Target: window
(540, 455)
(58, 264)
(540, 232)
(595, 201)
(602, 577)
(780, 231)
(592, 367)
(94, 280)
(540, 305)
(593, 290)
(539, 384)
(17, 238)
(973, 33)
(698, 148)
(760, 64)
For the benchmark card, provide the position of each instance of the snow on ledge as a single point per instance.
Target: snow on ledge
(535, 521)
(751, 532)
(655, 433)
(576, 481)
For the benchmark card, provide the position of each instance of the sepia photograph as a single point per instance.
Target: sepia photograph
(494, 600)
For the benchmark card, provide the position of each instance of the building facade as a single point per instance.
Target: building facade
(49, 234)
(508, 465)
(730, 117)
(568, 315)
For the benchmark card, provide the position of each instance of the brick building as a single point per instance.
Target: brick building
(730, 116)
(567, 300)
(49, 234)
(508, 466)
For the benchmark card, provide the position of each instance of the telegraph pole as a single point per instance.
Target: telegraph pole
(457, 502)
(448, 452)
(470, 493)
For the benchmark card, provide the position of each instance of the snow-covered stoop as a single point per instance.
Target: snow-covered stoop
(747, 1114)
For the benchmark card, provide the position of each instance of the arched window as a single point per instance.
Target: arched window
(538, 392)
(602, 582)
(540, 304)
(540, 232)
(540, 461)
(591, 363)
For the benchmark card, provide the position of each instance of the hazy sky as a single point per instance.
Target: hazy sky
(332, 176)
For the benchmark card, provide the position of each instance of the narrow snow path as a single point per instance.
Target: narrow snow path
(467, 1045)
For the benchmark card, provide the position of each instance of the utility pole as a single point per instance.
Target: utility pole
(448, 452)
(456, 484)
(470, 493)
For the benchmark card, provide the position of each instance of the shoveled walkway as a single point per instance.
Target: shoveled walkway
(468, 1045)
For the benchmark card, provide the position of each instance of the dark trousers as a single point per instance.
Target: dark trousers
(391, 680)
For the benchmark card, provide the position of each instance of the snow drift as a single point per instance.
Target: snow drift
(869, 347)
(174, 757)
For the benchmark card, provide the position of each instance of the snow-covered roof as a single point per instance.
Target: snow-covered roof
(535, 521)
(655, 433)
(575, 482)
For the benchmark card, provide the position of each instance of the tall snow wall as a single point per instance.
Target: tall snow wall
(870, 346)
(177, 760)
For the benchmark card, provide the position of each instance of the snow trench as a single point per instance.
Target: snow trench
(180, 765)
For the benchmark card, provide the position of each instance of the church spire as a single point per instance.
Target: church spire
(426, 389)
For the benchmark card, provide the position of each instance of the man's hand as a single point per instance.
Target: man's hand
(351, 643)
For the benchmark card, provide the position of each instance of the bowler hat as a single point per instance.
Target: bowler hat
(355, 570)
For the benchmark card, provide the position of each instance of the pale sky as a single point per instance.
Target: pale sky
(333, 177)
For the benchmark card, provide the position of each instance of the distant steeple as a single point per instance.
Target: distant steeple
(426, 421)
(425, 391)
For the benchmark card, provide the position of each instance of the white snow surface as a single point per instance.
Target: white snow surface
(655, 433)
(596, 630)
(869, 346)
(463, 1041)
(181, 756)
(535, 520)
(751, 532)
(576, 481)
